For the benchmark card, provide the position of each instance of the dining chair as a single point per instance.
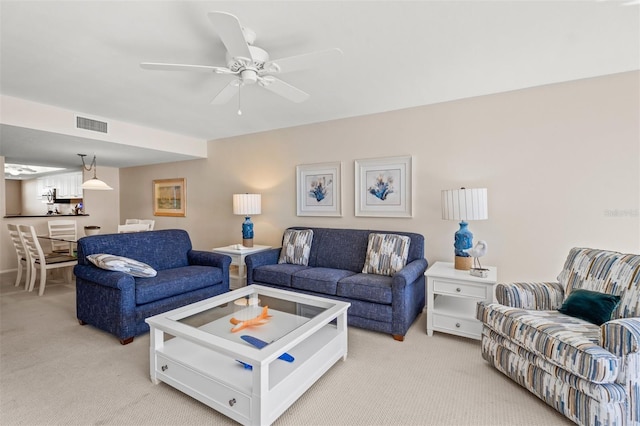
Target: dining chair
(21, 253)
(64, 229)
(39, 261)
(136, 227)
(150, 222)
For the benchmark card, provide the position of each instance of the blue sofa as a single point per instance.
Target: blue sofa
(118, 302)
(388, 304)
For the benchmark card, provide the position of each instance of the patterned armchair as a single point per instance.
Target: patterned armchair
(588, 372)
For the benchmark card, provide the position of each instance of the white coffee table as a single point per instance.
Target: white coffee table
(201, 359)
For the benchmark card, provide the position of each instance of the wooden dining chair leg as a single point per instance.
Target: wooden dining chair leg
(27, 279)
(32, 278)
(19, 276)
(43, 281)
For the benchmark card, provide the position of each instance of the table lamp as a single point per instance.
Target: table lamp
(247, 205)
(464, 204)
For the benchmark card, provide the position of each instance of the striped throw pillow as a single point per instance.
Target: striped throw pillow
(296, 246)
(112, 262)
(386, 254)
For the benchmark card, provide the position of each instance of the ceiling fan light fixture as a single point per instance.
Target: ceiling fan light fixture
(249, 76)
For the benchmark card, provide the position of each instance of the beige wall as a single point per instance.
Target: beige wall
(30, 204)
(561, 164)
(13, 196)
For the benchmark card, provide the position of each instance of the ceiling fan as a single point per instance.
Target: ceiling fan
(18, 169)
(250, 64)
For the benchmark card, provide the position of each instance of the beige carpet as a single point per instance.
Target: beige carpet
(54, 371)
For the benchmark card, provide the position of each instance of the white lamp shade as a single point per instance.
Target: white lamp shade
(247, 204)
(96, 185)
(464, 204)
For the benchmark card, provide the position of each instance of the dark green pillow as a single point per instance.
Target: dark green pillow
(590, 305)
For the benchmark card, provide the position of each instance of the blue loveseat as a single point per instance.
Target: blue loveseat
(118, 302)
(388, 304)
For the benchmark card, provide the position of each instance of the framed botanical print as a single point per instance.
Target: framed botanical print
(170, 197)
(383, 187)
(318, 189)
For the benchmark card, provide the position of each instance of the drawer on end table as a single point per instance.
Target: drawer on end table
(460, 326)
(462, 289)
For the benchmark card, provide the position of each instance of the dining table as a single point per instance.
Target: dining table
(71, 240)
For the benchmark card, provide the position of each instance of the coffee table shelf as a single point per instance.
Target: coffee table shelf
(202, 361)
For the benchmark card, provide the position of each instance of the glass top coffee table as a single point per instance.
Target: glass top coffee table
(249, 353)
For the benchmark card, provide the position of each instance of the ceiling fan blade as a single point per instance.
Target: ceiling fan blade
(283, 89)
(184, 67)
(230, 31)
(226, 93)
(308, 60)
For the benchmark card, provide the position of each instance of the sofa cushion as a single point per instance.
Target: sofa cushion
(339, 249)
(111, 262)
(386, 253)
(347, 248)
(369, 287)
(279, 274)
(163, 249)
(321, 280)
(171, 282)
(296, 246)
(568, 342)
(590, 306)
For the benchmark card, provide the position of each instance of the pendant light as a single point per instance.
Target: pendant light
(94, 183)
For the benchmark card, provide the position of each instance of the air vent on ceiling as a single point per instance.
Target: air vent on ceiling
(91, 124)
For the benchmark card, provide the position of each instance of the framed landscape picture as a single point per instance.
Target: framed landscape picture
(170, 197)
(384, 187)
(318, 189)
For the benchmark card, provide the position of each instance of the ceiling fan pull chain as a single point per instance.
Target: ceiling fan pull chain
(239, 89)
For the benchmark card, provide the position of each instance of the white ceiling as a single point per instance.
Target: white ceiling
(84, 56)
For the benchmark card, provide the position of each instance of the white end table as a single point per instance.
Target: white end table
(238, 252)
(452, 297)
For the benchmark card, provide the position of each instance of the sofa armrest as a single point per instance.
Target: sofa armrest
(113, 279)
(208, 258)
(537, 296)
(267, 257)
(410, 273)
(621, 337)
